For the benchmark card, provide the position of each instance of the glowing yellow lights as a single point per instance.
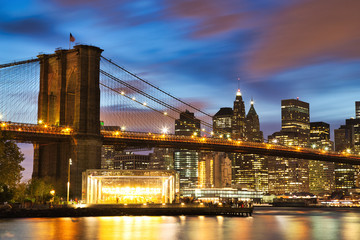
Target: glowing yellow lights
(123, 128)
(182, 204)
(164, 204)
(211, 133)
(133, 98)
(348, 150)
(19, 129)
(144, 204)
(52, 192)
(45, 126)
(3, 124)
(116, 133)
(201, 204)
(144, 103)
(165, 113)
(220, 204)
(203, 129)
(203, 139)
(229, 139)
(66, 130)
(131, 191)
(195, 134)
(221, 136)
(40, 121)
(122, 93)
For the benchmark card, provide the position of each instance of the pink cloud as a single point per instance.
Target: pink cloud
(305, 33)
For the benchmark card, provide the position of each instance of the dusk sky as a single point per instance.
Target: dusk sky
(197, 49)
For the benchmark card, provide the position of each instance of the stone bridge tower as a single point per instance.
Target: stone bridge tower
(69, 96)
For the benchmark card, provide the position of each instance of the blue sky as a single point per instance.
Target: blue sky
(196, 49)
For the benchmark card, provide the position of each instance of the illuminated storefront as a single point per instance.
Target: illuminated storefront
(104, 186)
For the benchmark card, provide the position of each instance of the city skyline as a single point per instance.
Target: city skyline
(271, 46)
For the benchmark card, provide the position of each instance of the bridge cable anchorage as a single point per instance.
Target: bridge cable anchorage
(157, 88)
(156, 100)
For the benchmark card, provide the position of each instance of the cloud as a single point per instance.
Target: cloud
(307, 32)
(33, 25)
(210, 17)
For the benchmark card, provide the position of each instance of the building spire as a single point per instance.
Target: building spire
(252, 101)
(238, 93)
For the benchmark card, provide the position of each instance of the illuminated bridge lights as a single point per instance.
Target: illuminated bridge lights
(43, 130)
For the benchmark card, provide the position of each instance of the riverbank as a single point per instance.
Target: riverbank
(109, 210)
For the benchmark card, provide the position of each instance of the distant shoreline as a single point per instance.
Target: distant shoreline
(125, 211)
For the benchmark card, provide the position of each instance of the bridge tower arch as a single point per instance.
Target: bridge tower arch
(69, 96)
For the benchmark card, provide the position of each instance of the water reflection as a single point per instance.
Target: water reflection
(305, 225)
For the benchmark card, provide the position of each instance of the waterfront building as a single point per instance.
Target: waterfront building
(186, 161)
(289, 175)
(347, 139)
(217, 195)
(104, 186)
(321, 174)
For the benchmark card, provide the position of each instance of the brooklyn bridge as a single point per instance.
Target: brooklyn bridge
(70, 103)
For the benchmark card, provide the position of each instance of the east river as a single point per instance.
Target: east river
(272, 224)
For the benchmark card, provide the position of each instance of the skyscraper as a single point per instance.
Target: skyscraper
(357, 109)
(347, 139)
(238, 121)
(222, 122)
(186, 161)
(252, 126)
(289, 174)
(295, 117)
(321, 174)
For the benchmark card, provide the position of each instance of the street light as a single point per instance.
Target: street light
(68, 182)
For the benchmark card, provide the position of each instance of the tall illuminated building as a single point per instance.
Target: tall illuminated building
(214, 170)
(357, 109)
(186, 161)
(289, 175)
(238, 121)
(131, 161)
(295, 117)
(250, 170)
(162, 159)
(347, 139)
(222, 122)
(252, 125)
(321, 174)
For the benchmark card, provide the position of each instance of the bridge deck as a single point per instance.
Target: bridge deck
(34, 133)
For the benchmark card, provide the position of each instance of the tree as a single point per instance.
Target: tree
(10, 160)
(39, 190)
